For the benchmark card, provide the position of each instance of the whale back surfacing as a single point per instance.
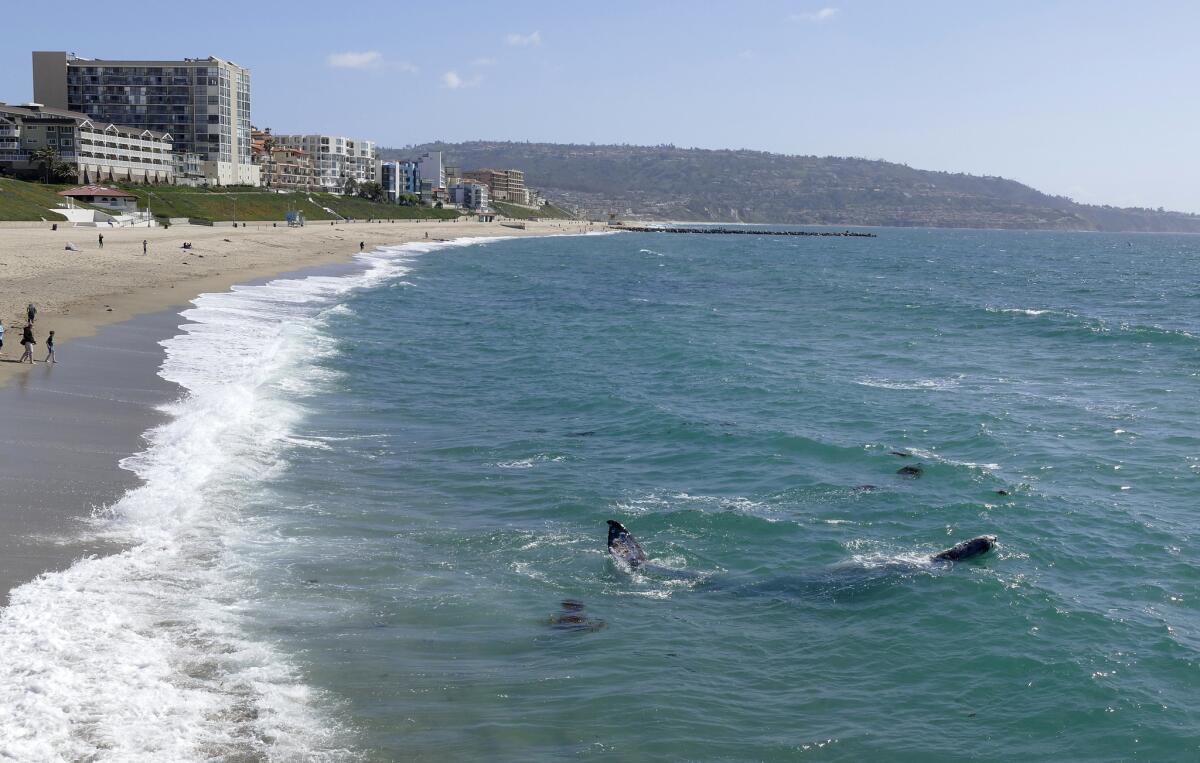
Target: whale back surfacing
(967, 549)
(623, 546)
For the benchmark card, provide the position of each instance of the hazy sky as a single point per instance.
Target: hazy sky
(1095, 100)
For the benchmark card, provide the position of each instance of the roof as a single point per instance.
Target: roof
(95, 190)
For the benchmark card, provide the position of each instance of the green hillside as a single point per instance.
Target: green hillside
(250, 204)
(519, 212)
(29, 201)
(670, 183)
(20, 200)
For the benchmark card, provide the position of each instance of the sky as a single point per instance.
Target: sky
(1095, 100)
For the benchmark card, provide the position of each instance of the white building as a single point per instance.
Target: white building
(431, 168)
(469, 195)
(336, 159)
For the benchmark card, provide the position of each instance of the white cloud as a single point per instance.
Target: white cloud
(452, 81)
(406, 67)
(524, 40)
(816, 17)
(365, 59)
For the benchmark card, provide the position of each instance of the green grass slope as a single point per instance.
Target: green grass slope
(29, 201)
(214, 204)
(518, 212)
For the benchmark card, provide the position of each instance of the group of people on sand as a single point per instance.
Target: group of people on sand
(28, 340)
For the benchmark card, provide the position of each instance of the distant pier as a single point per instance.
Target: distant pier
(744, 232)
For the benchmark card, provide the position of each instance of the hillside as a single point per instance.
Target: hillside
(30, 201)
(237, 203)
(664, 182)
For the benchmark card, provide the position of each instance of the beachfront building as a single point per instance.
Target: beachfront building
(468, 195)
(431, 168)
(503, 185)
(87, 150)
(339, 162)
(398, 178)
(282, 168)
(203, 103)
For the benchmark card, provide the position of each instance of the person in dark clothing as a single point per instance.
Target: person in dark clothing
(362, 245)
(28, 342)
(31, 312)
(101, 237)
(145, 245)
(50, 348)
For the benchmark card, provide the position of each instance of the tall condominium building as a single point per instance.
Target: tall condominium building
(337, 159)
(204, 103)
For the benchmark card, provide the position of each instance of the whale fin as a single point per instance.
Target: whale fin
(623, 546)
(967, 549)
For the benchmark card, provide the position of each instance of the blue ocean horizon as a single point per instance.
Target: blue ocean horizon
(355, 541)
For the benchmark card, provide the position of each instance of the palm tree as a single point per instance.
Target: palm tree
(45, 156)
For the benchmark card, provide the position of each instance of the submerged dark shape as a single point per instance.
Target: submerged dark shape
(967, 549)
(900, 453)
(588, 433)
(572, 618)
(911, 472)
(1001, 492)
(623, 546)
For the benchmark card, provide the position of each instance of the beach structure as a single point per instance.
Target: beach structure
(203, 103)
(85, 150)
(337, 159)
(101, 196)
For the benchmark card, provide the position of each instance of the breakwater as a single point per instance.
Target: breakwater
(747, 232)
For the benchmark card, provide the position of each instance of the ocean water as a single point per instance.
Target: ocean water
(358, 529)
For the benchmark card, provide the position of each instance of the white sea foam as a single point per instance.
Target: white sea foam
(913, 384)
(145, 655)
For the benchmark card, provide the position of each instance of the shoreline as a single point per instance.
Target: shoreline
(77, 292)
(69, 425)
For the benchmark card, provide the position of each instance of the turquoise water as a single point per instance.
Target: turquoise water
(361, 524)
(724, 397)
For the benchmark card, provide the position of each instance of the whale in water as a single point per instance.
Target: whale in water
(624, 548)
(966, 549)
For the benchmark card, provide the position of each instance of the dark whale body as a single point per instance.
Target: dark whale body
(623, 546)
(967, 549)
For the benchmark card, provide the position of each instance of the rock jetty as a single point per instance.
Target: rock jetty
(745, 232)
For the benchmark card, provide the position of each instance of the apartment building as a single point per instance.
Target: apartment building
(398, 178)
(336, 159)
(96, 151)
(282, 168)
(469, 195)
(203, 103)
(504, 185)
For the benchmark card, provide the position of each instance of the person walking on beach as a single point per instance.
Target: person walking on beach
(101, 238)
(144, 246)
(361, 245)
(49, 349)
(31, 312)
(28, 342)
